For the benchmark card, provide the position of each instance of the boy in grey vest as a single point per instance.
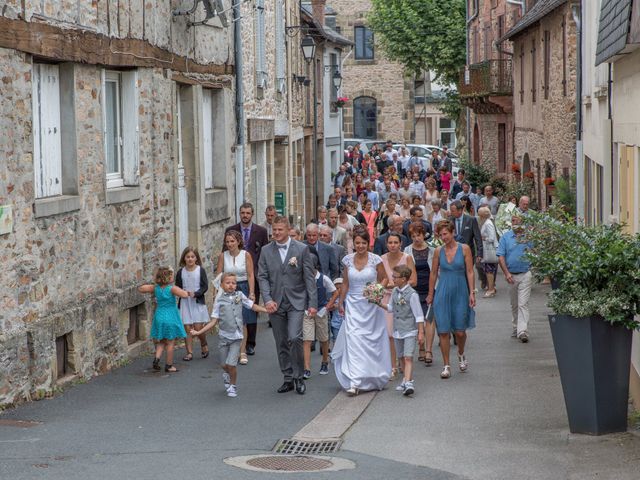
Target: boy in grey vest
(408, 323)
(227, 312)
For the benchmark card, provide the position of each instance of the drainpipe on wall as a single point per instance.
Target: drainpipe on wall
(469, 20)
(240, 127)
(576, 10)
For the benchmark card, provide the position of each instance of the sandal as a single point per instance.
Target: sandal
(489, 294)
(170, 368)
(188, 357)
(156, 364)
(394, 374)
(205, 354)
(446, 372)
(243, 359)
(428, 359)
(421, 356)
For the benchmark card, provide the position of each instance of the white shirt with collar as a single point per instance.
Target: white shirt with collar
(416, 309)
(283, 251)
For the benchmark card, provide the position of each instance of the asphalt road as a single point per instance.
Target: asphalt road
(132, 423)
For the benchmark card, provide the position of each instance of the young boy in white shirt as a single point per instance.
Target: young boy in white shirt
(408, 323)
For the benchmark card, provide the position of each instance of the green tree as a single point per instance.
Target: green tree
(424, 35)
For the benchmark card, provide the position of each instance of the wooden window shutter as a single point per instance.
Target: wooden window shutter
(130, 129)
(47, 143)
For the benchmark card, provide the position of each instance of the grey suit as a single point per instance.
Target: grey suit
(292, 286)
(328, 263)
(469, 234)
(340, 252)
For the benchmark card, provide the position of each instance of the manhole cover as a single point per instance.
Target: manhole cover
(5, 422)
(289, 463)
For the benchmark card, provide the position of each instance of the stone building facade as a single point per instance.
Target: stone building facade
(485, 84)
(381, 94)
(544, 73)
(117, 135)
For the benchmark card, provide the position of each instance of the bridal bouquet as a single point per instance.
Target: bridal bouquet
(435, 243)
(373, 292)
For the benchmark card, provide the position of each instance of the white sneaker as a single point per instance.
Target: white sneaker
(462, 363)
(408, 388)
(231, 391)
(400, 387)
(227, 380)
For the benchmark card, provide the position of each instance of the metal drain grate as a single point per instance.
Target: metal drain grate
(290, 464)
(298, 447)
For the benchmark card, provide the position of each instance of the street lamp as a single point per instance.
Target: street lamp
(308, 48)
(337, 80)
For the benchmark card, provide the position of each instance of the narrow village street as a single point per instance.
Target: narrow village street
(503, 419)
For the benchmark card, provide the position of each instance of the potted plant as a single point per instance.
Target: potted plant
(340, 102)
(596, 270)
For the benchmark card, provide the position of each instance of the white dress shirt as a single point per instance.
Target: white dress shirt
(283, 251)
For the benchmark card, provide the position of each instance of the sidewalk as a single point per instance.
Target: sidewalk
(503, 419)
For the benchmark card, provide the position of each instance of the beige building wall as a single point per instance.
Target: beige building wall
(379, 78)
(626, 139)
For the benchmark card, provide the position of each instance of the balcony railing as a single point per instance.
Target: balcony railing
(488, 78)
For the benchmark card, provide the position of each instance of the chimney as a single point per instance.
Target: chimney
(317, 8)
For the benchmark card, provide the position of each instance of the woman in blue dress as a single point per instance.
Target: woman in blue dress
(455, 299)
(167, 323)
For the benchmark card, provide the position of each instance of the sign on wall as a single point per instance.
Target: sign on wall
(280, 203)
(6, 219)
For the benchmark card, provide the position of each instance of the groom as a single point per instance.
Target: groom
(287, 282)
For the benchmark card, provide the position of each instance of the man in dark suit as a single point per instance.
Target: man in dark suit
(326, 236)
(328, 260)
(395, 226)
(254, 238)
(417, 215)
(467, 230)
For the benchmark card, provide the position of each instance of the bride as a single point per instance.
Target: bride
(361, 353)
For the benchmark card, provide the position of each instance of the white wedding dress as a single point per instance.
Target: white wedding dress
(361, 355)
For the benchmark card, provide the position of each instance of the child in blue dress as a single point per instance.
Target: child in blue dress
(167, 324)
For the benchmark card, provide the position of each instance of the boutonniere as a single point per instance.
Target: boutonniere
(402, 301)
(237, 298)
(293, 262)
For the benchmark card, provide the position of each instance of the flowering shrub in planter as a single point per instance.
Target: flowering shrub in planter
(340, 102)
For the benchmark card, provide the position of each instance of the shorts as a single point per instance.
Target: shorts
(229, 351)
(315, 328)
(405, 347)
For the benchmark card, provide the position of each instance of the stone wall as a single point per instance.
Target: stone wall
(379, 78)
(545, 130)
(76, 273)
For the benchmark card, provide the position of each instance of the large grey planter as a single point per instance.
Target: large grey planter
(594, 358)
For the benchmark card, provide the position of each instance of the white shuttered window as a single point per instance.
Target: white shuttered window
(47, 144)
(207, 136)
(120, 112)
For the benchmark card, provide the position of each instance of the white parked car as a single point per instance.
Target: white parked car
(425, 150)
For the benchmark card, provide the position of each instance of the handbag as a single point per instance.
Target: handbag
(489, 252)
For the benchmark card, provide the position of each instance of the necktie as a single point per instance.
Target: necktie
(245, 236)
(281, 245)
(458, 225)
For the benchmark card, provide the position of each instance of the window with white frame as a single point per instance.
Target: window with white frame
(207, 136)
(281, 46)
(260, 54)
(120, 111)
(47, 143)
